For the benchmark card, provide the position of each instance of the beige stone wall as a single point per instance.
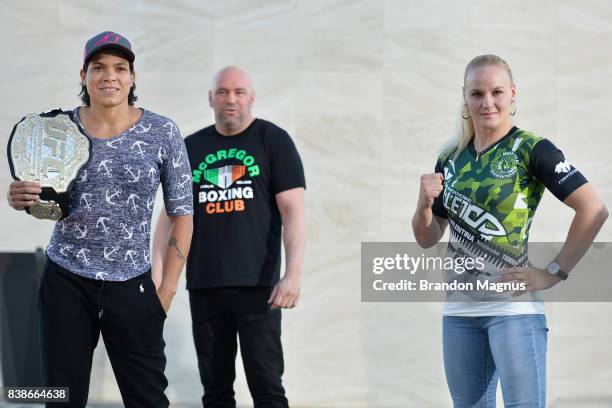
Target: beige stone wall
(369, 91)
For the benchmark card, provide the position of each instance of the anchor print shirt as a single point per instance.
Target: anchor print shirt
(107, 232)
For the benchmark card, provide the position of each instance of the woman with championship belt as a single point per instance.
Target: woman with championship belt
(97, 275)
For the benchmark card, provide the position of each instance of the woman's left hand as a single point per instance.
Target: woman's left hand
(533, 278)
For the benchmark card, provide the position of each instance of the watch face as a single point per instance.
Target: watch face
(553, 268)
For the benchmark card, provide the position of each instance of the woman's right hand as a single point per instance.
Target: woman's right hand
(431, 187)
(23, 194)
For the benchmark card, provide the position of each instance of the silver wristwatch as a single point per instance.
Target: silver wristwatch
(555, 269)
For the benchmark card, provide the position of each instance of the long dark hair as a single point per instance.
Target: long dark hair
(85, 95)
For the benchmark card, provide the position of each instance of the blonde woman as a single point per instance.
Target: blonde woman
(487, 186)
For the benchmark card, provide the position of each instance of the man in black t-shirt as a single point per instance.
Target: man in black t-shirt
(248, 186)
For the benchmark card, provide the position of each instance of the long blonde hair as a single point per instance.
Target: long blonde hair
(464, 129)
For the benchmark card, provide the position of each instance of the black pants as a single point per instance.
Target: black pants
(219, 315)
(73, 312)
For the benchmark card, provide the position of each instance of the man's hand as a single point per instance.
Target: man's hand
(533, 278)
(23, 194)
(165, 297)
(285, 294)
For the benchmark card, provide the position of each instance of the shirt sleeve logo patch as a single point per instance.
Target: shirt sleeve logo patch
(563, 167)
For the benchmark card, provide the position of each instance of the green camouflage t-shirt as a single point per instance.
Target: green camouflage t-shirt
(490, 197)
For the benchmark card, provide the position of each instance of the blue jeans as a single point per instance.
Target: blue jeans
(480, 350)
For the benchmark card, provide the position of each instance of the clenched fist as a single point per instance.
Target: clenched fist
(431, 187)
(23, 194)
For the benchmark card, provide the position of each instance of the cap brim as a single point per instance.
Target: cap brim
(129, 55)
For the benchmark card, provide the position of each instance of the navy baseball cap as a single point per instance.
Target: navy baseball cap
(108, 40)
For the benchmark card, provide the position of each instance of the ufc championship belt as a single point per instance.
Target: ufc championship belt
(49, 148)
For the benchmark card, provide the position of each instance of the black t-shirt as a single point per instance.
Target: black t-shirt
(237, 225)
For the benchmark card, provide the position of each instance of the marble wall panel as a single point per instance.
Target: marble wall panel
(567, 361)
(369, 91)
(423, 87)
(517, 16)
(410, 150)
(333, 13)
(434, 14)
